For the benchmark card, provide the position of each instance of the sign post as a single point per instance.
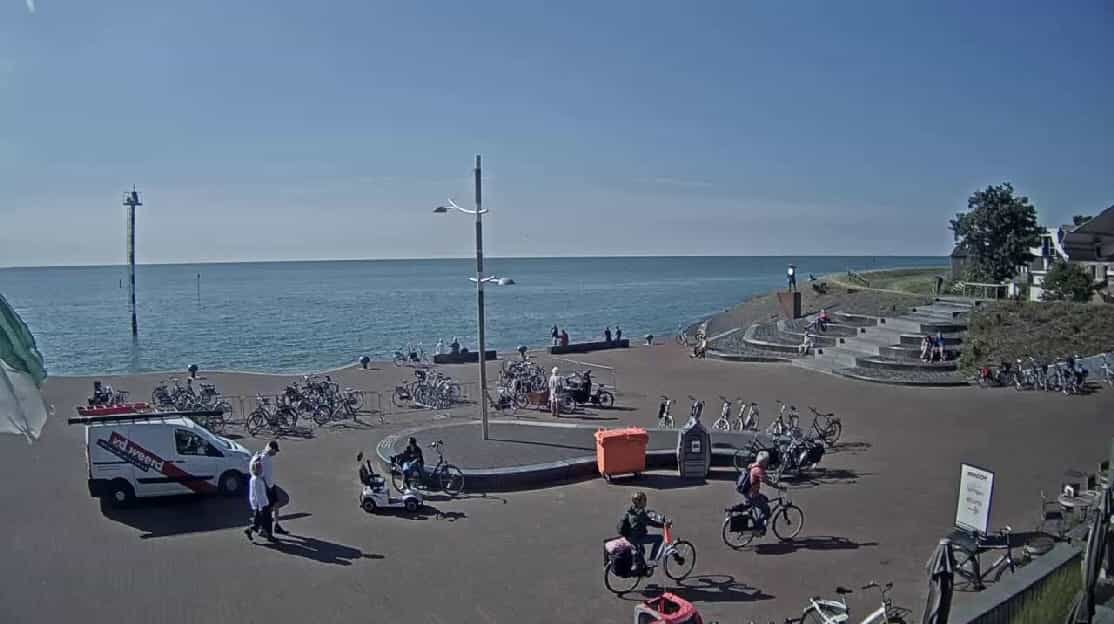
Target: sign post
(976, 491)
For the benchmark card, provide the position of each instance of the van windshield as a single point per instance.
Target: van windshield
(224, 442)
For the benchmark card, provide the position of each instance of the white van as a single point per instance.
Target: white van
(161, 456)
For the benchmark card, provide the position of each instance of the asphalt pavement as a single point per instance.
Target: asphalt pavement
(875, 512)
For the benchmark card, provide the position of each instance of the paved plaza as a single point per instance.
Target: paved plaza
(874, 512)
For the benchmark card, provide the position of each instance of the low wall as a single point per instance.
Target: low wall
(585, 347)
(462, 358)
(1038, 593)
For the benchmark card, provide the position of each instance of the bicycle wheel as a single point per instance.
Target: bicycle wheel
(680, 563)
(215, 424)
(607, 400)
(255, 422)
(400, 397)
(721, 425)
(566, 405)
(619, 584)
(735, 539)
(321, 415)
(787, 522)
(832, 432)
(813, 617)
(452, 480)
(521, 400)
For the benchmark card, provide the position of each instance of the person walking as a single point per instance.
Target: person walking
(276, 495)
(259, 502)
(607, 334)
(618, 333)
(554, 388)
(791, 275)
(555, 335)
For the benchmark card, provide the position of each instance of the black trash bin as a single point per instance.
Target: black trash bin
(694, 449)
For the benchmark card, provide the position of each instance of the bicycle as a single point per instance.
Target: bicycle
(968, 548)
(1107, 371)
(747, 420)
(786, 519)
(783, 426)
(665, 418)
(277, 417)
(676, 557)
(821, 611)
(723, 423)
(828, 427)
(443, 476)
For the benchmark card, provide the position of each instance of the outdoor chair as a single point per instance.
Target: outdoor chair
(1052, 515)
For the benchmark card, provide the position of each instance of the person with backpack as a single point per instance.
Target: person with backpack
(750, 486)
(633, 526)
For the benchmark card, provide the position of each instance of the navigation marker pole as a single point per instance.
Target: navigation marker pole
(131, 200)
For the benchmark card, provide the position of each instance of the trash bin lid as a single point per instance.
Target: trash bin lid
(629, 433)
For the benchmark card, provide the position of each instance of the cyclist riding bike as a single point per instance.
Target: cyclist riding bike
(750, 485)
(411, 461)
(633, 525)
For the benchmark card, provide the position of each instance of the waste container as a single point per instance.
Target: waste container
(694, 449)
(621, 451)
(666, 609)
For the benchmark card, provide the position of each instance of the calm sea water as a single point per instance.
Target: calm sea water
(302, 316)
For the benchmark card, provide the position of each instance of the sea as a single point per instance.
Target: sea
(294, 317)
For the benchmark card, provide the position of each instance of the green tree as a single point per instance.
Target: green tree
(998, 230)
(1066, 281)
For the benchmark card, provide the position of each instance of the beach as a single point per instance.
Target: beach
(874, 512)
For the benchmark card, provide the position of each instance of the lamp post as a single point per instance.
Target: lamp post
(479, 280)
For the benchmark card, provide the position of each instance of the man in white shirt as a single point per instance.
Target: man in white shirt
(791, 275)
(278, 496)
(554, 388)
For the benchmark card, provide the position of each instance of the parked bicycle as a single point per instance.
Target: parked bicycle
(443, 476)
(787, 423)
(828, 427)
(665, 418)
(410, 356)
(739, 522)
(276, 417)
(429, 389)
(820, 611)
(723, 423)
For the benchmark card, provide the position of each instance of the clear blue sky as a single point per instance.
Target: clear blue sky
(294, 130)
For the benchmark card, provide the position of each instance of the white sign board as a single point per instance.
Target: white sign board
(976, 489)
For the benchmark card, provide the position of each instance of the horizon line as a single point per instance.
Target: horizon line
(427, 259)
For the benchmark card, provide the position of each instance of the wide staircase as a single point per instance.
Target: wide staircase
(885, 349)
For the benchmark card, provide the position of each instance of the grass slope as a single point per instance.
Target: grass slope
(1006, 331)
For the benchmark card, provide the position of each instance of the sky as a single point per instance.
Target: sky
(270, 130)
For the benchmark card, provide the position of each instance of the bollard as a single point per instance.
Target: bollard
(364, 361)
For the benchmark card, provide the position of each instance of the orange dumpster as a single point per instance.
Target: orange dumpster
(621, 451)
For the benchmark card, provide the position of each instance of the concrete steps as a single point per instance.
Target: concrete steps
(915, 364)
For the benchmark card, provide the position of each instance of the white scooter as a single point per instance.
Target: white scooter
(375, 495)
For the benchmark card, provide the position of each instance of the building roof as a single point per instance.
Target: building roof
(1102, 224)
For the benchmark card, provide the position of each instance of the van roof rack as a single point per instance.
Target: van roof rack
(139, 417)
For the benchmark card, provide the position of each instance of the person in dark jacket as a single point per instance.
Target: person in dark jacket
(633, 526)
(412, 461)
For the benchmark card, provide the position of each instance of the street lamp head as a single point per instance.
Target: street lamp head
(440, 210)
(505, 281)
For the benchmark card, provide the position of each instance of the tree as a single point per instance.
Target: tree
(1066, 281)
(998, 231)
(1079, 220)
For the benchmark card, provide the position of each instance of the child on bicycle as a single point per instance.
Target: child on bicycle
(750, 485)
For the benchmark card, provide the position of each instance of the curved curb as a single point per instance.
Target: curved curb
(732, 357)
(901, 382)
(535, 476)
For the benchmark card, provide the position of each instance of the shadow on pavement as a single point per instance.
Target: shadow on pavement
(318, 550)
(824, 476)
(661, 481)
(850, 447)
(179, 515)
(711, 588)
(809, 543)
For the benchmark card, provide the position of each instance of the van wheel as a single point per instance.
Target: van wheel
(411, 505)
(121, 493)
(231, 483)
